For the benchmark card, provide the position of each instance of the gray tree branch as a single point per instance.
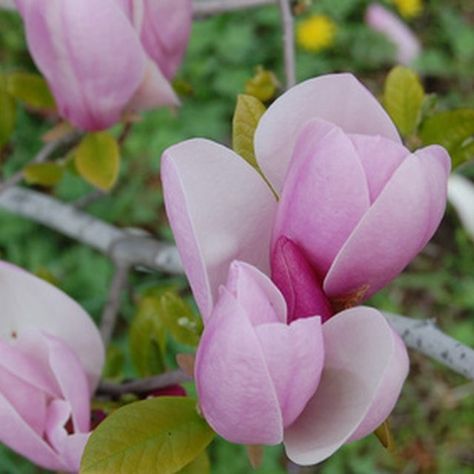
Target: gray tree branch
(213, 7)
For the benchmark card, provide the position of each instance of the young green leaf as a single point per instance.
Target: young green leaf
(453, 129)
(403, 99)
(200, 465)
(44, 174)
(179, 318)
(148, 337)
(31, 89)
(97, 160)
(247, 114)
(163, 434)
(7, 113)
(263, 85)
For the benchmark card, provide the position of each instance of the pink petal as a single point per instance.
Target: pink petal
(28, 301)
(337, 98)
(236, 393)
(324, 196)
(154, 91)
(380, 157)
(385, 22)
(294, 355)
(19, 436)
(219, 209)
(165, 32)
(295, 278)
(360, 348)
(90, 55)
(256, 294)
(398, 225)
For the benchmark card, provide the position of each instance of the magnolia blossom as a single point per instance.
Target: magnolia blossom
(103, 58)
(388, 24)
(354, 206)
(313, 386)
(51, 357)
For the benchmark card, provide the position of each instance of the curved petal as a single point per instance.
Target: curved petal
(19, 436)
(220, 210)
(385, 22)
(165, 31)
(295, 278)
(28, 301)
(256, 294)
(324, 196)
(294, 356)
(397, 226)
(337, 98)
(236, 393)
(75, 45)
(380, 157)
(359, 351)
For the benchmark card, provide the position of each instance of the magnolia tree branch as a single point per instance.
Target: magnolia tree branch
(288, 42)
(122, 245)
(425, 337)
(214, 7)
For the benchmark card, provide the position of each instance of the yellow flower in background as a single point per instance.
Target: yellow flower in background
(409, 8)
(316, 33)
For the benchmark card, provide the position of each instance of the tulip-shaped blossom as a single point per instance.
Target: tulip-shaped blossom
(315, 387)
(104, 58)
(51, 357)
(407, 46)
(354, 206)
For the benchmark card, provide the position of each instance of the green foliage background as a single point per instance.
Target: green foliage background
(432, 422)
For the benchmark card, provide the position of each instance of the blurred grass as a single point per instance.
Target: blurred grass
(433, 420)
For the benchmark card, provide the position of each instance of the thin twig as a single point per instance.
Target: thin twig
(143, 385)
(425, 337)
(288, 42)
(110, 313)
(214, 7)
(43, 155)
(88, 199)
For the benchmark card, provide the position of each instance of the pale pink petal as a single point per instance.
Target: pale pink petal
(90, 55)
(294, 355)
(360, 348)
(380, 157)
(256, 294)
(166, 27)
(324, 196)
(28, 301)
(19, 436)
(337, 98)
(398, 225)
(385, 22)
(236, 393)
(154, 91)
(295, 278)
(220, 210)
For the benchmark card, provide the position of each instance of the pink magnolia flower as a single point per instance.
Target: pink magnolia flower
(387, 23)
(315, 387)
(51, 357)
(354, 205)
(104, 58)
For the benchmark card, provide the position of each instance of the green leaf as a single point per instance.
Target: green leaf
(184, 325)
(403, 99)
(114, 362)
(97, 160)
(200, 465)
(7, 113)
(148, 337)
(263, 85)
(44, 174)
(453, 129)
(247, 114)
(157, 435)
(31, 89)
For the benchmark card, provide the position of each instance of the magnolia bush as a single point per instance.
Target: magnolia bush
(325, 197)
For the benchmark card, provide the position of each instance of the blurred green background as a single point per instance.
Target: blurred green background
(433, 422)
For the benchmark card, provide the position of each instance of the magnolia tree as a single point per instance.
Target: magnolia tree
(324, 199)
